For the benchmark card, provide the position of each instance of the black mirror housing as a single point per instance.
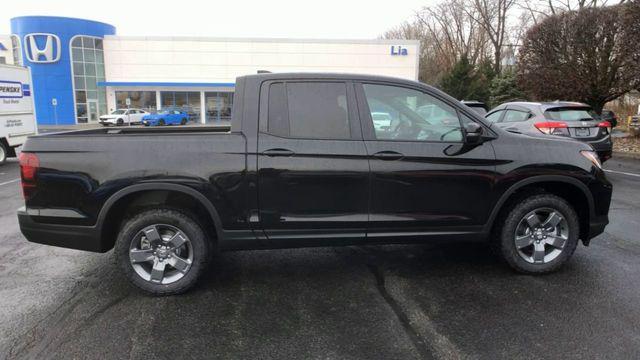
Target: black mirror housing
(473, 133)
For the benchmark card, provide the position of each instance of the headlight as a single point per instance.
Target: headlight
(592, 156)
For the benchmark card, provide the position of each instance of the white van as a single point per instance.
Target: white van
(17, 115)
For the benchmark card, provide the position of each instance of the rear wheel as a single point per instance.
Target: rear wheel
(183, 122)
(162, 251)
(538, 234)
(3, 153)
(161, 122)
(120, 122)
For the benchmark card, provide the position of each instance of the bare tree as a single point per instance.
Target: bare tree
(493, 17)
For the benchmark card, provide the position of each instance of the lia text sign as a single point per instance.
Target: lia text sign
(398, 50)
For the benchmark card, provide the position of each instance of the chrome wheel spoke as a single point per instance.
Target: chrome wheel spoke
(533, 221)
(177, 240)
(141, 256)
(157, 272)
(552, 221)
(523, 241)
(538, 252)
(179, 263)
(556, 241)
(152, 234)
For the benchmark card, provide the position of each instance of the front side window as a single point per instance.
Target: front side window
(309, 110)
(515, 116)
(405, 114)
(495, 116)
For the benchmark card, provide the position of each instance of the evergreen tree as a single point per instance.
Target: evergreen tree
(504, 88)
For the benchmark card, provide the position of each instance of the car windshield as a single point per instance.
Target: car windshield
(570, 114)
(118, 112)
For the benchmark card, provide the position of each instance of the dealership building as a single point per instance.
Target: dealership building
(81, 69)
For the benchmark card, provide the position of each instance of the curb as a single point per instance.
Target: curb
(626, 155)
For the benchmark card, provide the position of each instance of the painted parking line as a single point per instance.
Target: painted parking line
(622, 172)
(9, 182)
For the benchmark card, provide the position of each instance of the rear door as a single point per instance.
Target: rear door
(313, 174)
(424, 180)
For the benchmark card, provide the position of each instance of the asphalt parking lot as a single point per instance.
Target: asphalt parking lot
(378, 302)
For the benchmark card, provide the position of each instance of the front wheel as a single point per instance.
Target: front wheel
(3, 153)
(162, 251)
(183, 122)
(120, 122)
(538, 234)
(161, 122)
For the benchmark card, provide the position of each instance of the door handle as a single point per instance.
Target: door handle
(278, 152)
(388, 155)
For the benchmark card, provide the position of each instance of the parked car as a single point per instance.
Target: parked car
(477, 106)
(304, 165)
(166, 117)
(569, 119)
(610, 116)
(120, 117)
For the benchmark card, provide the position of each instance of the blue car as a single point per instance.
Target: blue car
(166, 117)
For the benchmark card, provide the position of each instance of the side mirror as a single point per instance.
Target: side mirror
(473, 133)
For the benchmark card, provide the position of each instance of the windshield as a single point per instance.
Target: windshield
(570, 114)
(118, 112)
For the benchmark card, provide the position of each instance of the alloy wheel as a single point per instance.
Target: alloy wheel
(161, 254)
(541, 235)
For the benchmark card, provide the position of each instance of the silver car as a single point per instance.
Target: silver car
(560, 118)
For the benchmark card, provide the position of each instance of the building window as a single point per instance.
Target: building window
(16, 51)
(145, 100)
(218, 106)
(188, 101)
(87, 66)
(3, 60)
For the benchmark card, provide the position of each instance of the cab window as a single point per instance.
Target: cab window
(404, 114)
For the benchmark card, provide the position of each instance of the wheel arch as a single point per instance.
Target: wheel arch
(109, 218)
(572, 190)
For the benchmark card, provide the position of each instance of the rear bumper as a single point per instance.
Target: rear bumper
(86, 238)
(604, 147)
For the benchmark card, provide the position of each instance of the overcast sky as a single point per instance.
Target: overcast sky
(332, 19)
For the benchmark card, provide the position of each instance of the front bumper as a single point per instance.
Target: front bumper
(78, 237)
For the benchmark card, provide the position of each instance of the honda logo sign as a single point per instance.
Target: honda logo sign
(42, 48)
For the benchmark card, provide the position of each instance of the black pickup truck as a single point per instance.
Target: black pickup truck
(312, 160)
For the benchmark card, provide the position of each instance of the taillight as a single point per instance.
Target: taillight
(553, 128)
(29, 164)
(605, 124)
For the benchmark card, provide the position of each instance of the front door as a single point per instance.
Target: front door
(92, 110)
(423, 180)
(313, 175)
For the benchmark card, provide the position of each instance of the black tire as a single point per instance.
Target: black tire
(504, 235)
(183, 122)
(4, 153)
(161, 122)
(119, 122)
(200, 247)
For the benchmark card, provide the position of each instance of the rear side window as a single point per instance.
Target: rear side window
(309, 110)
(515, 116)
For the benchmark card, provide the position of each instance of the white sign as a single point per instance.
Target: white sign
(10, 89)
(54, 101)
(128, 101)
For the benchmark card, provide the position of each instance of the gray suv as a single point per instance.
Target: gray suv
(569, 119)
